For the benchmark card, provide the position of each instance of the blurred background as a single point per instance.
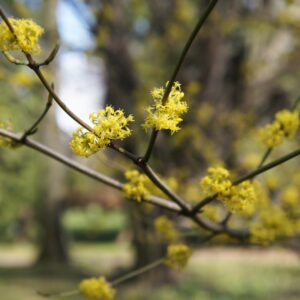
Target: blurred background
(56, 226)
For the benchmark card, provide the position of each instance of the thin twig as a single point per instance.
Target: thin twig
(58, 294)
(137, 272)
(182, 57)
(33, 129)
(51, 56)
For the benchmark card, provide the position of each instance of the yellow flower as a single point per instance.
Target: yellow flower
(97, 288)
(178, 256)
(237, 198)
(84, 143)
(241, 199)
(289, 122)
(166, 228)
(166, 116)
(27, 35)
(285, 125)
(135, 187)
(109, 124)
(216, 182)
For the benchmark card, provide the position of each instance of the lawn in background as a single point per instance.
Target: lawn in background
(213, 273)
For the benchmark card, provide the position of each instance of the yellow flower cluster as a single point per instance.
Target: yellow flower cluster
(237, 198)
(166, 228)
(27, 34)
(285, 125)
(97, 288)
(166, 116)
(178, 256)
(241, 199)
(109, 124)
(216, 182)
(135, 187)
(271, 223)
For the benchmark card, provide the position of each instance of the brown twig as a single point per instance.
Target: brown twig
(33, 129)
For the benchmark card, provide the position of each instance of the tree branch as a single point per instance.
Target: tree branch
(83, 169)
(33, 129)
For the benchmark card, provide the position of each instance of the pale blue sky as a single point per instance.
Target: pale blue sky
(79, 76)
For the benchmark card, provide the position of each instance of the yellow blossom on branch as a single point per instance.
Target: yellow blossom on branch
(166, 228)
(27, 34)
(135, 187)
(241, 199)
(216, 182)
(178, 256)
(97, 288)
(166, 116)
(285, 125)
(237, 198)
(109, 124)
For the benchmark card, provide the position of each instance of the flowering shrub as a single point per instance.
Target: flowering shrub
(265, 219)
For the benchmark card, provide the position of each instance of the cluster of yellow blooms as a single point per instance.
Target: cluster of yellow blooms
(178, 256)
(166, 228)
(237, 198)
(27, 34)
(270, 224)
(109, 124)
(166, 116)
(135, 187)
(97, 288)
(285, 125)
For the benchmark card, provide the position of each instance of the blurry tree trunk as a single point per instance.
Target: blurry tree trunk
(52, 242)
(121, 84)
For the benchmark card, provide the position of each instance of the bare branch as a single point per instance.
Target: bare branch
(33, 129)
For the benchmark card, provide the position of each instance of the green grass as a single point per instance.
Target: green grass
(213, 274)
